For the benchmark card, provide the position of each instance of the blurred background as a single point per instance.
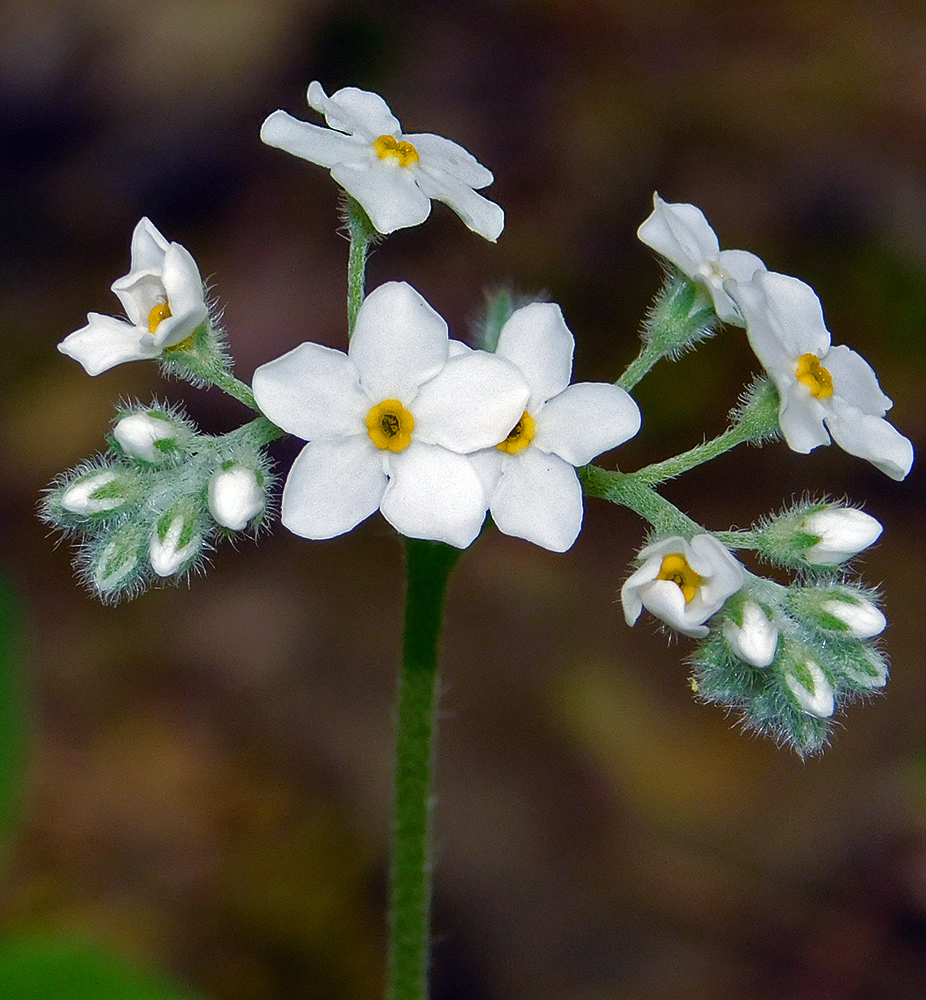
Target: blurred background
(209, 766)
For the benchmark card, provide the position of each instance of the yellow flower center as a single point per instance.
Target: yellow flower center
(160, 312)
(676, 569)
(817, 379)
(387, 148)
(520, 437)
(390, 425)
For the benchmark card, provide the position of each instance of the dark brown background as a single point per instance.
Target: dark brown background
(210, 771)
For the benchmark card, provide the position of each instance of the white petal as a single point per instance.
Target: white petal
(680, 233)
(630, 592)
(399, 342)
(388, 192)
(482, 216)
(332, 487)
(538, 498)
(148, 247)
(854, 381)
(434, 494)
(586, 419)
(473, 403)
(795, 314)
(105, 342)
(313, 392)
(874, 439)
(537, 340)
(356, 111)
(185, 295)
(489, 464)
(801, 419)
(312, 142)
(439, 156)
(665, 600)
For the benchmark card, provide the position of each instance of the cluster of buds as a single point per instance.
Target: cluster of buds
(785, 657)
(150, 507)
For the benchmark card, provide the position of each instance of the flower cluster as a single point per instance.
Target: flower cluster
(824, 391)
(151, 507)
(434, 434)
(785, 657)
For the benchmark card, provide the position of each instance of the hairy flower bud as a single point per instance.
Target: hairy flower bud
(841, 533)
(151, 435)
(174, 545)
(754, 637)
(236, 496)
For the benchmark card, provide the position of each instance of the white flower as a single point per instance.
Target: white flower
(755, 641)
(394, 176)
(822, 388)
(682, 582)
(530, 475)
(862, 620)
(681, 234)
(139, 435)
(843, 532)
(169, 553)
(235, 497)
(811, 688)
(390, 423)
(163, 297)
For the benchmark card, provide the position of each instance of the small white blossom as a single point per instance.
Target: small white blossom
(811, 688)
(139, 434)
(393, 175)
(680, 233)
(756, 640)
(825, 391)
(79, 497)
(165, 553)
(863, 620)
(682, 582)
(530, 475)
(390, 424)
(843, 532)
(235, 497)
(164, 300)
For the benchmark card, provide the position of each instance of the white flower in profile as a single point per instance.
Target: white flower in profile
(163, 297)
(393, 175)
(390, 424)
(682, 582)
(825, 391)
(841, 533)
(680, 233)
(530, 474)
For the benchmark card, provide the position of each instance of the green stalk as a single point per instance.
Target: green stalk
(428, 566)
(362, 235)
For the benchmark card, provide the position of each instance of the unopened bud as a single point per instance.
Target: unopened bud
(842, 533)
(93, 494)
(810, 687)
(150, 436)
(236, 496)
(755, 639)
(174, 545)
(860, 618)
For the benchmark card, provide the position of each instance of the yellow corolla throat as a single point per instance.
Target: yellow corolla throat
(817, 379)
(676, 569)
(520, 437)
(388, 149)
(390, 425)
(159, 313)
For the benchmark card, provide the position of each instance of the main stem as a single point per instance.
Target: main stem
(428, 566)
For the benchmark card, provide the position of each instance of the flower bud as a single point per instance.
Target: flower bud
(236, 496)
(755, 638)
(150, 436)
(174, 544)
(841, 533)
(860, 618)
(101, 491)
(115, 564)
(811, 688)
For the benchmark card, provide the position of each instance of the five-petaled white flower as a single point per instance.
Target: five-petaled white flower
(390, 423)
(822, 388)
(682, 582)
(394, 176)
(681, 234)
(163, 297)
(530, 476)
